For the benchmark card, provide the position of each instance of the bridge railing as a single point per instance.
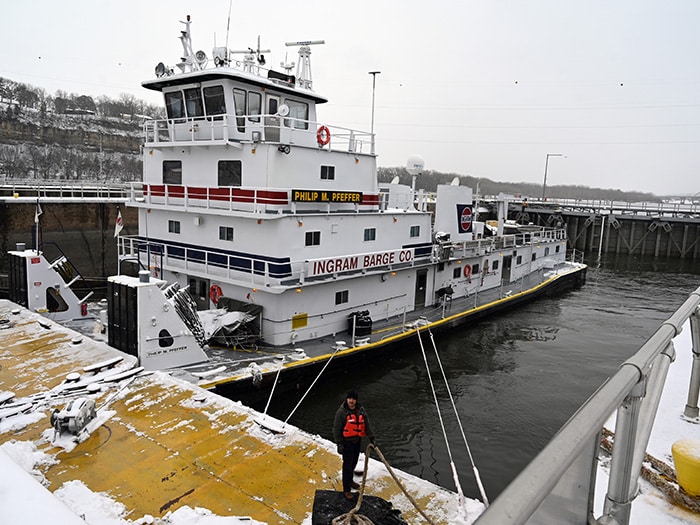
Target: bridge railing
(558, 486)
(47, 189)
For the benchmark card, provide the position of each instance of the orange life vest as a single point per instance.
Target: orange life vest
(354, 425)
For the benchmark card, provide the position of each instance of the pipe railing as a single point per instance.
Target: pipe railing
(558, 485)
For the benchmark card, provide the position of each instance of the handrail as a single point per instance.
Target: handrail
(527, 498)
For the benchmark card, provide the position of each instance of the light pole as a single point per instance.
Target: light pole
(374, 80)
(546, 164)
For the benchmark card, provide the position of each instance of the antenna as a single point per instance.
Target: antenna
(304, 66)
(251, 55)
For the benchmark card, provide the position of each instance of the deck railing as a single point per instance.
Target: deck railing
(270, 128)
(558, 486)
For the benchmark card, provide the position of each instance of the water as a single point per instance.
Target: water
(516, 378)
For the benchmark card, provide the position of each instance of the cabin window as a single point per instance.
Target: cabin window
(313, 238)
(415, 231)
(174, 226)
(495, 265)
(370, 234)
(342, 297)
(519, 260)
(214, 101)
(226, 233)
(239, 108)
(174, 105)
(254, 105)
(327, 172)
(475, 269)
(457, 272)
(298, 115)
(534, 256)
(172, 172)
(193, 103)
(230, 172)
(556, 250)
(546, 251)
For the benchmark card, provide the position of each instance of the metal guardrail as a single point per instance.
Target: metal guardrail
(47, 191)
(558, 486)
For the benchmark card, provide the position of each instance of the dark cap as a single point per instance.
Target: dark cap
(352, 394)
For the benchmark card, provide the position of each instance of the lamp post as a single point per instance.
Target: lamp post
(374, 80)
(546, 165)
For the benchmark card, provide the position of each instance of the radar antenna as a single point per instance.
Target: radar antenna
(304, 66)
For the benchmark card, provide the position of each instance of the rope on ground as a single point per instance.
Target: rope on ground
(353, 517)
(661, 475)
(459, 422)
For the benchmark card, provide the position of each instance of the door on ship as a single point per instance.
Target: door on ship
(505, 272)
(199, 290)
(421, 280)
(272, 120)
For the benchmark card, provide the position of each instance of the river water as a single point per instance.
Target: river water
(516, 378)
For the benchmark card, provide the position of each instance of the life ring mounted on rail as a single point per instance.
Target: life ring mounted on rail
(215, 293)
(468, 272)
(323, 136)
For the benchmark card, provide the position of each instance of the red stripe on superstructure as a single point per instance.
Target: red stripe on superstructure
(370, 199)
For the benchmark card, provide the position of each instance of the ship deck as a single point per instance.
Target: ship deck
(243, 372)
(160, 443)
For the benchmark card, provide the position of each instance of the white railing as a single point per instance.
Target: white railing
(272, 129)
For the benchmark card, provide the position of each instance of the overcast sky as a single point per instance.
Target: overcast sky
(484, 88)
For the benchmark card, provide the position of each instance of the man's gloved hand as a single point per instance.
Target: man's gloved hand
(340, 448)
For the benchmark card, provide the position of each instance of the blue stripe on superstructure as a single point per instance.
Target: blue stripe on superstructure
(279, 267)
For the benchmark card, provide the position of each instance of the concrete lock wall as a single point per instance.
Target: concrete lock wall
(83, 231)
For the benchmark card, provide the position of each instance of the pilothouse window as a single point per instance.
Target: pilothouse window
(193, 102)
(174, 105)
(214, 101)
(254, 105)
(239, 108)
(298, 115)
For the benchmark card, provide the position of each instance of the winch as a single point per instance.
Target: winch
(74, 416)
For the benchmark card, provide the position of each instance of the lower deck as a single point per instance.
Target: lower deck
(251, 371)
(161, 443)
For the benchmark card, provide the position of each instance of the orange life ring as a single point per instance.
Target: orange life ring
(323, 135)
(468, 271)
(215, 293)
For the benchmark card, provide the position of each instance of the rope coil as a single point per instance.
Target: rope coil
(353, 517)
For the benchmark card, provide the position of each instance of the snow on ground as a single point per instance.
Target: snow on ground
(651, 507)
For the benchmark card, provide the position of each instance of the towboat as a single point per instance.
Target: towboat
(263, 228)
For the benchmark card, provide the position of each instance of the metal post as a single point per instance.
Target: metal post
(691, 407)
(546, 165)
(374, 79)
(623, 482)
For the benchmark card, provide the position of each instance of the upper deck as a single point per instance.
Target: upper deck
(226, 101)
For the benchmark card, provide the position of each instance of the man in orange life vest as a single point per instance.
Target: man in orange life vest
(350, 425)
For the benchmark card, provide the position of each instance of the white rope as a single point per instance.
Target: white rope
(312, 384)
(277, 376)
(442, 424)
(459, 422)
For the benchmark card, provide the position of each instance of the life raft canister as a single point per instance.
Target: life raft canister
(354, 425)
(215, 293)
(323, 136)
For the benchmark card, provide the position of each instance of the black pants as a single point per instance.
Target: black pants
(351, 453)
